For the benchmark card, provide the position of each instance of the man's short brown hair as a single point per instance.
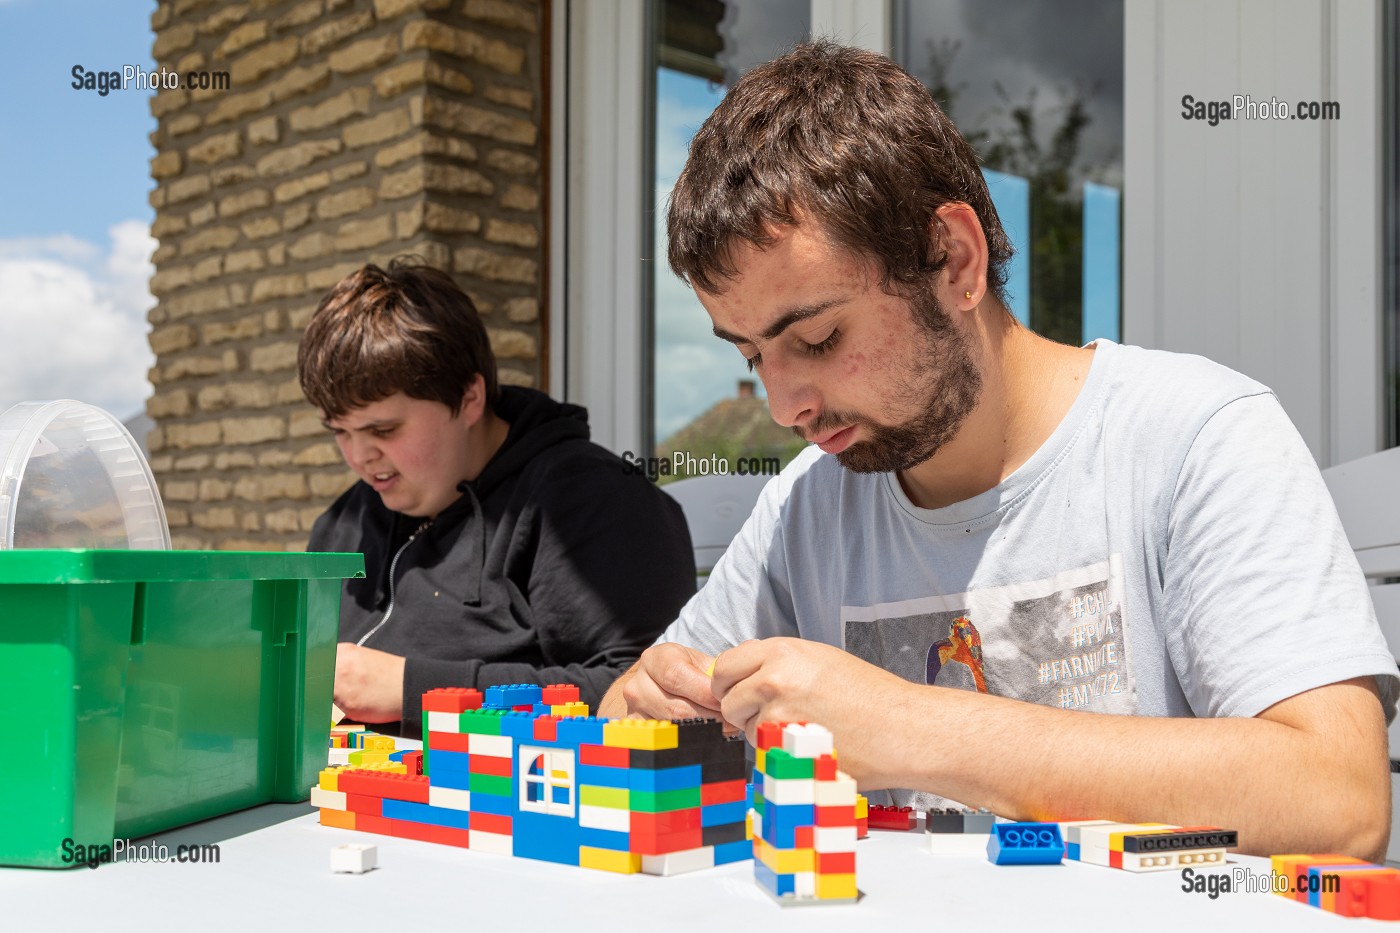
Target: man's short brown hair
(408, 328)
(840, 136)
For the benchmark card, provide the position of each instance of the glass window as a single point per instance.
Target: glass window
(1037, 88)
(706, 408)
(547, 780)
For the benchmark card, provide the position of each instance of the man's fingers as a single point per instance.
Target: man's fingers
(736, 665)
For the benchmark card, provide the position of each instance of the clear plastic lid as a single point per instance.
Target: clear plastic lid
(72, 476)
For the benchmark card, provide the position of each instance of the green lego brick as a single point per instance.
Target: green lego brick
(489, 784)
(663, 801)
(482, 721)
(780, 764)
(617, 798)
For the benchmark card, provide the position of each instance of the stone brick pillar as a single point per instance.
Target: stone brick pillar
(350, 131)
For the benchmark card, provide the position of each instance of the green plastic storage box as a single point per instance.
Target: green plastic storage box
(149, 689)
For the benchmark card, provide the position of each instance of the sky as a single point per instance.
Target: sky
(75, 239)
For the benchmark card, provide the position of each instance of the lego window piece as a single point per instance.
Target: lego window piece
(547, 780)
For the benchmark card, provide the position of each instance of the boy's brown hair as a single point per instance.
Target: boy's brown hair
(408, 328)
(839, 136)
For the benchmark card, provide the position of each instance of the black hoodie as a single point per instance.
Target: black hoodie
(558, 564)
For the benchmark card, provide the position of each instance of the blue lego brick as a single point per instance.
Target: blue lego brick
(717, 814)
(604, 839)
(749, 790)
(547, 838)
(780, 824)
(423, 813)
(772, 882)
(580, 730)
(505, 696)
(456, 780)
(601, 776)
(733, 852)
(1072, 851)
(490, 803)
(458, 762)
(519, 726)
(664, 779)
(1025, 844)
(542, 709)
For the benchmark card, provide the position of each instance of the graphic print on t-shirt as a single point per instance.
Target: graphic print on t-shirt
(1059, 641)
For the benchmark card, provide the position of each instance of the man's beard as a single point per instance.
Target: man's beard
(943, 379)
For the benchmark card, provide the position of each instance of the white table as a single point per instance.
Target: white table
(275, 873)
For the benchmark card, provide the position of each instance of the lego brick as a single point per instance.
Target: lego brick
(775, 884)
(364, 804)
(780, 823)
(768, 735)
(720, 813)
(1025, 844)
(779, 764)
(354, 857)
(1070, 831)
(617, 798)
(546, 728)
(328, 799)
(898, 818)
(559, 693)
(449, 798)
(501, 746)
(338, 756)
(444, 761)
(599, 776)
(603, 839)
(494, 843)
(1319, 875)
(546, 838)
(627, 863)
(490, 764)
(604, 756)
(738, 851)
(792, 791)
(427, 832)
(329, 778)
(724, 833)
(1176, 840)
(340, 819)
(1364, 894)
(412, 762)
(1165, 861)
(366, 823)
(493, 803)
(426, 813)
(683, 798)
(834, 839)
(835, 792)
(491, 823)
(724, 771)
(1292, 866)
(804, 885)
(609, 818)
(825, 768)
(980, 821)
(836, 863)
(804, 837)
(455, 742)
(835, 816)
(943, 820)
(388, 786)
(454, 780)
(784, 861)
(480, 722)
(449, 723)
(837, 887)
(580, 730)
(664, 779)
(452, 699)
(1110, 835)
(641, 734)
(642, 823)
(661, 843)
(518, 726)
(806, 740)
(508, 696)
(489, 784)
(675, 863)
(569, 710)
(724, 792)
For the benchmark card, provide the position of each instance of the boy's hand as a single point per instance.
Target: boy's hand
(368, 683)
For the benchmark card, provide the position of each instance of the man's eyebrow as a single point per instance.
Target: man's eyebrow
(367, 426)
(785, 320)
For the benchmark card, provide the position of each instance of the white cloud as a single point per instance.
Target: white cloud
(73, 319)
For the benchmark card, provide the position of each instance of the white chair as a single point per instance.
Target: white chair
(715, 508)
(1367, 493)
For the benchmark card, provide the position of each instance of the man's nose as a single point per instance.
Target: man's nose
(792, 400)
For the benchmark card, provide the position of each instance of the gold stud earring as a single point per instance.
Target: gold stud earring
(967, 294)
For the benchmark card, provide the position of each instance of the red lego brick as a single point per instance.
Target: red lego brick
(426, 832)
(546, 728)
(523, 708)
(862, 827)
(658, 824)
(559, 694)
(366, 823)
(605, 755)
(843, 816)
(355, 781)
(769, 735)
(490, 823)
(662, 843)
(452, 700)
(413, 761)
(364, 804)
(448, 741)
(803, 837)
(836, 863)
(1366, 895)
(1115, 858)
(489, 764)
(723, 792)
(825, 768)
(411, 787)
(886, 817)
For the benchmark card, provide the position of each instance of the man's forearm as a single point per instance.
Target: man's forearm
(1284, 788)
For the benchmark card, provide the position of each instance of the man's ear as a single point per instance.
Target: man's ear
(963, 245)
(474, 400)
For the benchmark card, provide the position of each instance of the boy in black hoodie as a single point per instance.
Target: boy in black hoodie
(501, 545)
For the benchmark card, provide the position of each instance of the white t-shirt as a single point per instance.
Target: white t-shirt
(1170, 550)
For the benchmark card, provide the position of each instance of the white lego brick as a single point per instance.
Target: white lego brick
(327, 799)
(838, 793)
(497, 746)
(804, 884)
(355, 858)
(339, 756)
(444, 722)
(675, 863)
(832, 838)
(1169, 860)
(610, 818)
(1070, 831)
(756, 823)
(786, 791)
(1093, 855)
(806, 741)
(450, 797)
(495, 843)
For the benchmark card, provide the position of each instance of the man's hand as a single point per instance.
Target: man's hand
(368, 683)
(789, 679)
(669, 682)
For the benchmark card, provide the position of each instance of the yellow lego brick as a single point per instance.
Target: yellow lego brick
(748, 826)
(367, 757)
(627, 863)
(784, 861)
(837, 887)
(759, 757)
(329, 778)
(862, 807)
(388, 767)
(569, 709)
(340, 819)
(643, 734)
(379, 743)
(616, 798)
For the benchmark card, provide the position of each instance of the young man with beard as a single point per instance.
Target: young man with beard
(1004, 534)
